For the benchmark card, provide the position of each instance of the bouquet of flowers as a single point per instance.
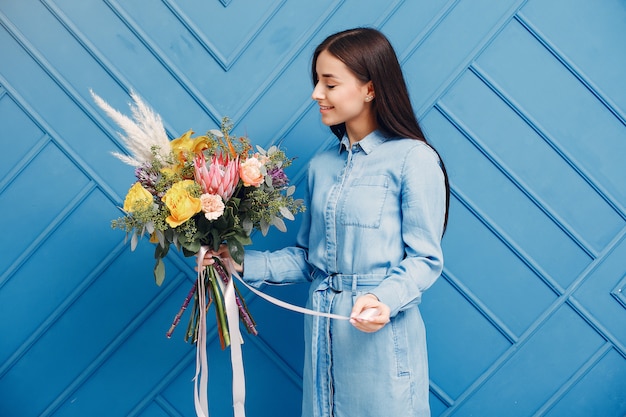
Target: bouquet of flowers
(200, 191)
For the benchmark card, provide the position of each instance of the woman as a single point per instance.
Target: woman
(370, 242)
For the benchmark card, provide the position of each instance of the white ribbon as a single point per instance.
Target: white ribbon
(236, 340)
(201, 380)
(284, 304)
(236, 358)
(201, 385)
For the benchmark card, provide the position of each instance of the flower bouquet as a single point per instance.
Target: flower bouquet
(197, 192)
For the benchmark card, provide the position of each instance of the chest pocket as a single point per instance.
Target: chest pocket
(363, 201)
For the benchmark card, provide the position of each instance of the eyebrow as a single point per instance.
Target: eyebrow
(328, 76)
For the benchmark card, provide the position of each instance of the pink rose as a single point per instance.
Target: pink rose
(251, 173)
(212, 206)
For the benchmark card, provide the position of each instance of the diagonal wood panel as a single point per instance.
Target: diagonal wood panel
(525, 104)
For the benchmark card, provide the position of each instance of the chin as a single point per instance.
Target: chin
(329, 122)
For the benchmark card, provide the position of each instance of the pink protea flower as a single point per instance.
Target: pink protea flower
(220, 177)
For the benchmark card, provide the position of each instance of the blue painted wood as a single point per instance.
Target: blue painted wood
(524, 100)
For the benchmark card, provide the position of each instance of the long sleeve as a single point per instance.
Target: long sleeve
(423, 210)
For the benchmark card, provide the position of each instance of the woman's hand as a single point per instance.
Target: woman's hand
(222, 252)
(369, 314)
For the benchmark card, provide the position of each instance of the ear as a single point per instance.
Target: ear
(370, 89)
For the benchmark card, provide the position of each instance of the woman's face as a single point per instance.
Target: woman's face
(342, 97)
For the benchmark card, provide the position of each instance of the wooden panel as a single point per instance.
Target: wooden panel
(524, 154)
(524, 99)
(561, 106)
(565, 331)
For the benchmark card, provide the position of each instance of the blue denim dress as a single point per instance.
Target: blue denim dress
(373, 225)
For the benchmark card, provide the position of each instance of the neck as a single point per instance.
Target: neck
(357, 131)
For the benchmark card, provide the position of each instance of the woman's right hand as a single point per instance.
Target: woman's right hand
(222, 252)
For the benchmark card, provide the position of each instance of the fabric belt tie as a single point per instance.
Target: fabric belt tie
(348, 282)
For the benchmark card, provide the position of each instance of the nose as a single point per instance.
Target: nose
(317, 92)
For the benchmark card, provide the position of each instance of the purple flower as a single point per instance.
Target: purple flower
(147, 177)
(279, 179)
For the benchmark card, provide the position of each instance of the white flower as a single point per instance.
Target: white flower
(144, 131)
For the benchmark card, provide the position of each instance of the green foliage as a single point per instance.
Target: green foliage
(249, 209)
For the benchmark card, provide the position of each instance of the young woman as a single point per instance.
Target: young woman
(370, 242)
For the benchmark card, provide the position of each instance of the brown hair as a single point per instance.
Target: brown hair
(369, 55)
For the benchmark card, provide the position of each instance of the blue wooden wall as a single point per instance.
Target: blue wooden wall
(525, 100)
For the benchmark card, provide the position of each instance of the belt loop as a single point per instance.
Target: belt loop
(335, 282)
(354, 284)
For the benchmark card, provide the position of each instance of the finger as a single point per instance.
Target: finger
(368, 314)
(367, 327)
(362, 304)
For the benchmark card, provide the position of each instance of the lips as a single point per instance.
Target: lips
(322, 108)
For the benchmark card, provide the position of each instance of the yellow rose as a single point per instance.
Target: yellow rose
(181, 204)
(137, 199)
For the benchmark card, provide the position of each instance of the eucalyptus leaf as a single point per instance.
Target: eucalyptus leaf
(159, 272)
(247, 225)
(134, 239)
(216, 133)
(279, 223)
(161, 237)
(290, 190)
(286, 213)
(150, 227)
(265, 226)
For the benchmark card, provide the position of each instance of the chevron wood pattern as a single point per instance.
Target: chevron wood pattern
(525, 100)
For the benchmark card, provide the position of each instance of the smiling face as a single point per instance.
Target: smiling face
(343, 98)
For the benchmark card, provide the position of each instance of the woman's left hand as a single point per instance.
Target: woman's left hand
(369, 314)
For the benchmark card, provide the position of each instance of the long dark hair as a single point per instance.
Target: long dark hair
(369, 55)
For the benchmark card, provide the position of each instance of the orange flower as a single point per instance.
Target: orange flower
(251, 172)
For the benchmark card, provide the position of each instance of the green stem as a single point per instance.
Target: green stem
(219, 307)
(193, 321)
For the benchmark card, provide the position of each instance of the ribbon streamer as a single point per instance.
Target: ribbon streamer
(201, 401)
(236, 340)
(236, 357)
(201, 379)
(278, 302)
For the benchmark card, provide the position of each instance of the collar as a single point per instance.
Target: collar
(367, 144)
